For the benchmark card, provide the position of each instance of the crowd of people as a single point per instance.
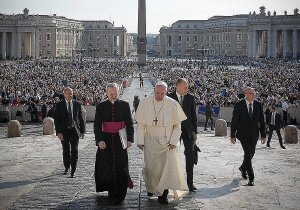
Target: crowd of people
(44, 80)
(221, 82)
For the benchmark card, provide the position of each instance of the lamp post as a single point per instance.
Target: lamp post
(202, 51)
(81, 56)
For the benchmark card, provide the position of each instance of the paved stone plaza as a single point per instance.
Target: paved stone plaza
(31, 173)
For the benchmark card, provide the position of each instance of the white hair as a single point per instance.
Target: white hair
(112, 85)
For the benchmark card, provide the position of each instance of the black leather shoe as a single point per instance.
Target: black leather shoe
(192, 188)
(72, 175)
(250, 183)
(149, 194)
(66, 171)
(283, 147)
(268, 145)
(163, 200)
(244, 173)
(212, 129)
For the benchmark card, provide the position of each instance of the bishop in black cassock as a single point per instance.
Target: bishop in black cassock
(111, 167)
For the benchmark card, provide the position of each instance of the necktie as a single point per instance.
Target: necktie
(181, 100)
(70, 122)
(250, 110)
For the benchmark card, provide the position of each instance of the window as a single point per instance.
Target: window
(187, 38)
(48, 37)
(196, 38)
(239, 37)
(179, 38)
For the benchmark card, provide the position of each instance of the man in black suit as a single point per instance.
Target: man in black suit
(274, 122)
(188, 127)
(69, 125)
(247, 121)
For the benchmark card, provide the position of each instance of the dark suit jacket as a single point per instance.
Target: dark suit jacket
(242, 126)
(189, 108)
(61, 117)
(278, 120)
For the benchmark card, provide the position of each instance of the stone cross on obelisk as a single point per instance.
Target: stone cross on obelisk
(141, 39)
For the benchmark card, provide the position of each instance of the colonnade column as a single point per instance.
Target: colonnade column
(4, 42)
(19, 44)
(295, 43)
(285, 45)
(33, 45)
(254, 43)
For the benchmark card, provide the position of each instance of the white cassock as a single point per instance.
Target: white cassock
(162, 168)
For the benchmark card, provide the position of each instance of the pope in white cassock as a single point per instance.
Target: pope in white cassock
(158, 131)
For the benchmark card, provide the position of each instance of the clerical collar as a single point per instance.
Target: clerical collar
(113, 102)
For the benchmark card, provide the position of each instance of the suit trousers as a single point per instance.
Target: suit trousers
(271, 129)
(189, 144)
(249, 145)
(70, 149)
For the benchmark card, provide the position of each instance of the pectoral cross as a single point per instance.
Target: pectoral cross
(155, 121)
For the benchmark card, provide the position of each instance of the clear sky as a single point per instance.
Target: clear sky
(159, 12)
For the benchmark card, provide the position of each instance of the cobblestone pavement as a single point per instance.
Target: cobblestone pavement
(31, 173)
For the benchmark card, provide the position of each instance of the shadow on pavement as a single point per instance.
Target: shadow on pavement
(218, 191)
(7, 185)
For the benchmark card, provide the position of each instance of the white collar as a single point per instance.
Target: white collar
(178, 95)
(70, 101)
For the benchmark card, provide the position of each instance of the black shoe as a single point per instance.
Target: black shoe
(205, 129)
(163, 200)
(283, 147)
(244, 173)
(149, 194)
(268, 145)
(72, 175)
(212, 129)
(192, 188)
(66, 171)
(250, 183)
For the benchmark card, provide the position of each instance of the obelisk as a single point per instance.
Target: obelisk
(141, 39)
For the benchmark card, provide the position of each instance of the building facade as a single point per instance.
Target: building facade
(239, 35)
(103, 39)
(35, 36)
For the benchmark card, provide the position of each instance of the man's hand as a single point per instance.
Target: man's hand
(141, 147)
(102, 145)
(82, 135)
(60, 136)
(171, 146)
(129, 144)
(263, 140)
(233, 140)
